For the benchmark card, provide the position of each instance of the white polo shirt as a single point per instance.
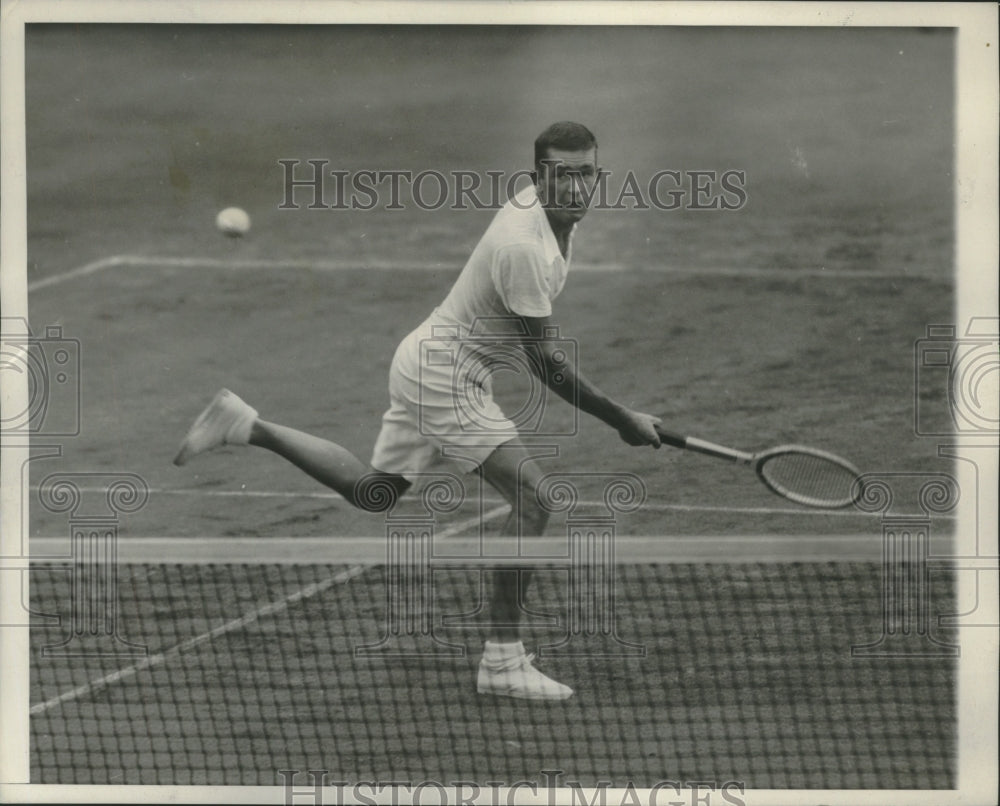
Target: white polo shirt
(440, 381)
(515, 268)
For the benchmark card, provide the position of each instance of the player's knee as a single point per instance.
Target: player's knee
(378, 492)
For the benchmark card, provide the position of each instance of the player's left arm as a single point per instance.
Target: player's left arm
(634, 427)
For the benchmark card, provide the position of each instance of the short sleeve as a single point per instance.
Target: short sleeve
(521, 279)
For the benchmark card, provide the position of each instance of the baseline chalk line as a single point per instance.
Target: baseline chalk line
(141, 261)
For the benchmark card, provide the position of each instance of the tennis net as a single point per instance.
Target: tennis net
(690, 661)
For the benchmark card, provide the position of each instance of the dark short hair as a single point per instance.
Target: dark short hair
(565, 136)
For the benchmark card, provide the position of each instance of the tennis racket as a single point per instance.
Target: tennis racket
(801, 474)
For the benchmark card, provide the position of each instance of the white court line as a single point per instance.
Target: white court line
(270, 609)
(346, 265)
(649, 507)
(154, 660)
(81, 271)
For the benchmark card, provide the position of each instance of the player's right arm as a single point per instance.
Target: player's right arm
(634, 427)
(520, 277)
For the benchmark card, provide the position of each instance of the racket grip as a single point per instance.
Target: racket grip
(670, 437)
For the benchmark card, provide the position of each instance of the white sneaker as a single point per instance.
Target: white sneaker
(227, 420)
(514, 676)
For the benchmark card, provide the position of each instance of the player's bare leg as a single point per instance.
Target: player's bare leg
(505, 668)
(511, 472)
(230, 421)
(331, 465)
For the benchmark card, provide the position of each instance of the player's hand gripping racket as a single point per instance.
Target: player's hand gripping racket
(796, 472)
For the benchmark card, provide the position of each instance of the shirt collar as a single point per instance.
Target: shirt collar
(528, 197)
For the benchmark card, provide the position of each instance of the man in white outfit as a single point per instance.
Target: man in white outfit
(440, 384)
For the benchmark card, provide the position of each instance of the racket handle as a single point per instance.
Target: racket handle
(671, 438)
(703, 446)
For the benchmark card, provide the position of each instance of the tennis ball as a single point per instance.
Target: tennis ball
(233, 221)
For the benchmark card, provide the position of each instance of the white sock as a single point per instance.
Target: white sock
(495, 652)
(239, 432)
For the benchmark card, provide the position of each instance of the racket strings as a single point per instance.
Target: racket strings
(813, 479)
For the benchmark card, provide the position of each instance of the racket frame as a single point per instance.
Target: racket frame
(758, 460)
(761, 459)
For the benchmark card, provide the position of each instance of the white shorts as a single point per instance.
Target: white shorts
(442, 415)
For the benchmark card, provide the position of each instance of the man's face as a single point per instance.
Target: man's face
(566, 183)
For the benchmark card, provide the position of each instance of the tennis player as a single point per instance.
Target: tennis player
(443, 411)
